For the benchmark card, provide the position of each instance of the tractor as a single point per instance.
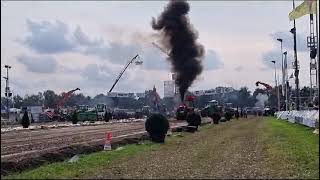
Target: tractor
(229, 111)
(187, 111)
(84, 113)
(104, 113)
(185, 108)
(213, 110)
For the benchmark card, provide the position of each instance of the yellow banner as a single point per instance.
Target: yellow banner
(307, 7)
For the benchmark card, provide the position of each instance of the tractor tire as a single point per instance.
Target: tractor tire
(228, 116)
(181, 117)
(193, 119)
(216, 118)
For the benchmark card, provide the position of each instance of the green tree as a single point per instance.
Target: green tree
(244, 98)
(50, 98)
(74, 118)
(18, 101)
(32, 100)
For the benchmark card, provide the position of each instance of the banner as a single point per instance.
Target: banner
(307, 7)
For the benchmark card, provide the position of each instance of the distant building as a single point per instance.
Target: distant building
(217, 91)
(141, 95)
(121, 95)
(169, 87)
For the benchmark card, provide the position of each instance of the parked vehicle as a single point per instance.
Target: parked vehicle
(213, 110)
(84, 113)
(119, 114)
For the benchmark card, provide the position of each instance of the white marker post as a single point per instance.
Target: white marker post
(107, 144)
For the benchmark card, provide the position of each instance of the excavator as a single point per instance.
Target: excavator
(267, 110)
(56, 114)
(267, 86)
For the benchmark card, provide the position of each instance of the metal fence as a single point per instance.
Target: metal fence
(308, 118)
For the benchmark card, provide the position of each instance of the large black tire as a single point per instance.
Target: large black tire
(216, 118)
(193, 119)
(204, 113)
(180, 116)
(228, 116)
(158, 138)
(157, 126)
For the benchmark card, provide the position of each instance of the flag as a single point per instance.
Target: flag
(307, 7)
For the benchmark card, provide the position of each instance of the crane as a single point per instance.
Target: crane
(125, 68)
(161, 49)
(268, 87)
(56, 114)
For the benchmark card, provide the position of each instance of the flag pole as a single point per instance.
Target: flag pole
(317, 60)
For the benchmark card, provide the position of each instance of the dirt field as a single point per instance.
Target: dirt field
(19, 144)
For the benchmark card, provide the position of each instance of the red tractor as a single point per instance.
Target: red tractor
(186, 111)
(185, 108)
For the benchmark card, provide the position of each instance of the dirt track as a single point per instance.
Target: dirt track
(16, 145)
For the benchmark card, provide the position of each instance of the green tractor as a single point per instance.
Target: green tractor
(229, 111)
(84, 113)
(213, 110)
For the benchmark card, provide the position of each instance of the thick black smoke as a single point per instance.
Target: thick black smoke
(179, 36)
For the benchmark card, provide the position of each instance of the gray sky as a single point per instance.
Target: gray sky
(64, 45)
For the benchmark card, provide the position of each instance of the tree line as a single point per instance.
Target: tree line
(241, 98)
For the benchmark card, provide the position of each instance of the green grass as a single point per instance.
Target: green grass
(292, 148)
(90, 164)
(87, 164)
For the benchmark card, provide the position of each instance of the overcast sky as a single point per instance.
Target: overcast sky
(64, 45)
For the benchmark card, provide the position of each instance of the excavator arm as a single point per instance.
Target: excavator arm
(267, 86)
(65, 96)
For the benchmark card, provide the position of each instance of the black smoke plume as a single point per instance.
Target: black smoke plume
(178, 35)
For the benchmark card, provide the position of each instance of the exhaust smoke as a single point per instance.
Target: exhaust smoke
(262, 99)
(178, 35)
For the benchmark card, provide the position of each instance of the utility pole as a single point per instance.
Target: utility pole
(7, 93)
(275, 79)
(285, 71)
(282, 71)
(311, 43)
(295, 65)
(318, 66)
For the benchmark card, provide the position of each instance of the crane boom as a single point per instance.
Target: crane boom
(65, 96)
(161, 49)
(268, 87)
(121, 73)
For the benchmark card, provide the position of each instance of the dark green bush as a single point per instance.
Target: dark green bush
(157, 126)
(25, 120)
(74, 118)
